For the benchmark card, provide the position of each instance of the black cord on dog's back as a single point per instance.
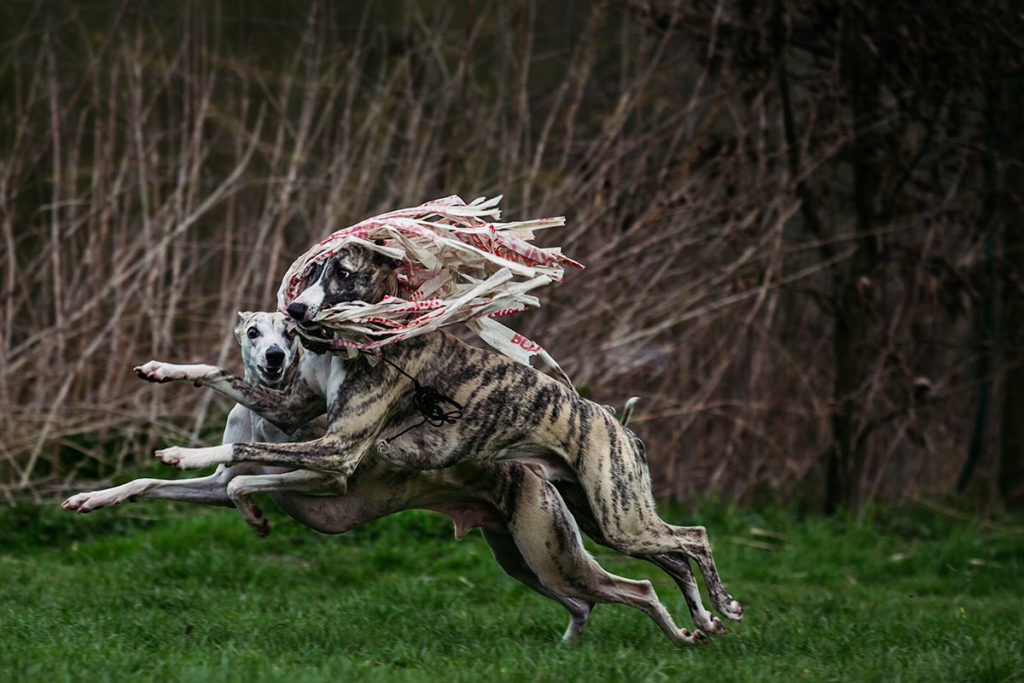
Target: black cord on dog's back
(430, 403)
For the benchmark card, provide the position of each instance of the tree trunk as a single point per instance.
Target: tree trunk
(855, 283)
(1011, 447)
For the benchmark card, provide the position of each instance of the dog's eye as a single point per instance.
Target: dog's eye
(252, 333)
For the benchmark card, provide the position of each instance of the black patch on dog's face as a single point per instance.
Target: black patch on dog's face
(356, 274)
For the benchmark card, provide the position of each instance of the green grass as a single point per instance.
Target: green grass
(191, 595)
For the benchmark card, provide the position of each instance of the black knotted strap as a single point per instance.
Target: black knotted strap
(430, 403)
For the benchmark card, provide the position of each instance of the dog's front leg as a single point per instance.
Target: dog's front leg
(196, 458)
(360, 409)
(158, 371)
(288, 409)
(331, 453)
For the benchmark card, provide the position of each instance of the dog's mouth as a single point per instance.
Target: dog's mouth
(314, 337)
(271, 373)
(313, 331)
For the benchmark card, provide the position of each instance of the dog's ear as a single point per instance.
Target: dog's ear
(242, 316)
(384, 260)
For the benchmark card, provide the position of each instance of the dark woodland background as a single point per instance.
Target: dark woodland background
(800, 219)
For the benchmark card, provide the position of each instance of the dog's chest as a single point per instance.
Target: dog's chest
(265, 431)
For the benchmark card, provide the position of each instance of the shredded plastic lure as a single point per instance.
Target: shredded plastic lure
(458, 266)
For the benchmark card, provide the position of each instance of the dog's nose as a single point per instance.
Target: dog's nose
(297, 311)
(275, 356)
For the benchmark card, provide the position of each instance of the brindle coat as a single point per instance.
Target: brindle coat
(531, 532)
(509, 412)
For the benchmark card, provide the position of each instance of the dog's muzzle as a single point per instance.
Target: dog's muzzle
(297, 311)
(273, 368)
(275, 357)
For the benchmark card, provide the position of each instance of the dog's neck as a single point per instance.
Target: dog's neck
(317, 347)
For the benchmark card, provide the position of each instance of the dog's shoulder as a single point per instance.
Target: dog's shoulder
(238, 427)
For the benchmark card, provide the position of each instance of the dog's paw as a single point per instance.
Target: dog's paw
(157, 371)
(94, 500)
(193, 458)
(79, 502)
(713, 627)
(708, 623)
(732, 610)
(692, 637)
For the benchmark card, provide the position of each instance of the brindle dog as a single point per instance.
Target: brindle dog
(529, 528)
(508, 412)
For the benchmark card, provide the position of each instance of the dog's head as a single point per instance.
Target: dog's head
(268, 348)
(353, 273)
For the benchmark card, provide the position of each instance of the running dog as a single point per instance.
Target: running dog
(532, 534)
(507, 411)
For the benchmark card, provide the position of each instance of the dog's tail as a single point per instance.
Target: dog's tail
(627, 410)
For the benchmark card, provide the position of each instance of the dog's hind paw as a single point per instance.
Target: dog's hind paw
(687, 637)
(94, 500)
(732, 610)
(77, 502)
(712, 626)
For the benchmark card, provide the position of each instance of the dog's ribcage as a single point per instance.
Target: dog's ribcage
(509, 411)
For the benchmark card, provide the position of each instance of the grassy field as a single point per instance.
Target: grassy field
(154, 591)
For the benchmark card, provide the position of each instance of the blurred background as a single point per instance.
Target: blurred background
(800, 219)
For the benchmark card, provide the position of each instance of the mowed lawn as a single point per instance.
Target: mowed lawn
(171, 593)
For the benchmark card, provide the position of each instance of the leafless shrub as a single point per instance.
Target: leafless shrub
(160, 174)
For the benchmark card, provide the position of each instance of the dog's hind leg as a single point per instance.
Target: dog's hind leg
(504, 549)
(652, 536)
(242, 487)
(611, 467)
(643, 532)
(550, 543)
(207, 490)
(676, 566)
